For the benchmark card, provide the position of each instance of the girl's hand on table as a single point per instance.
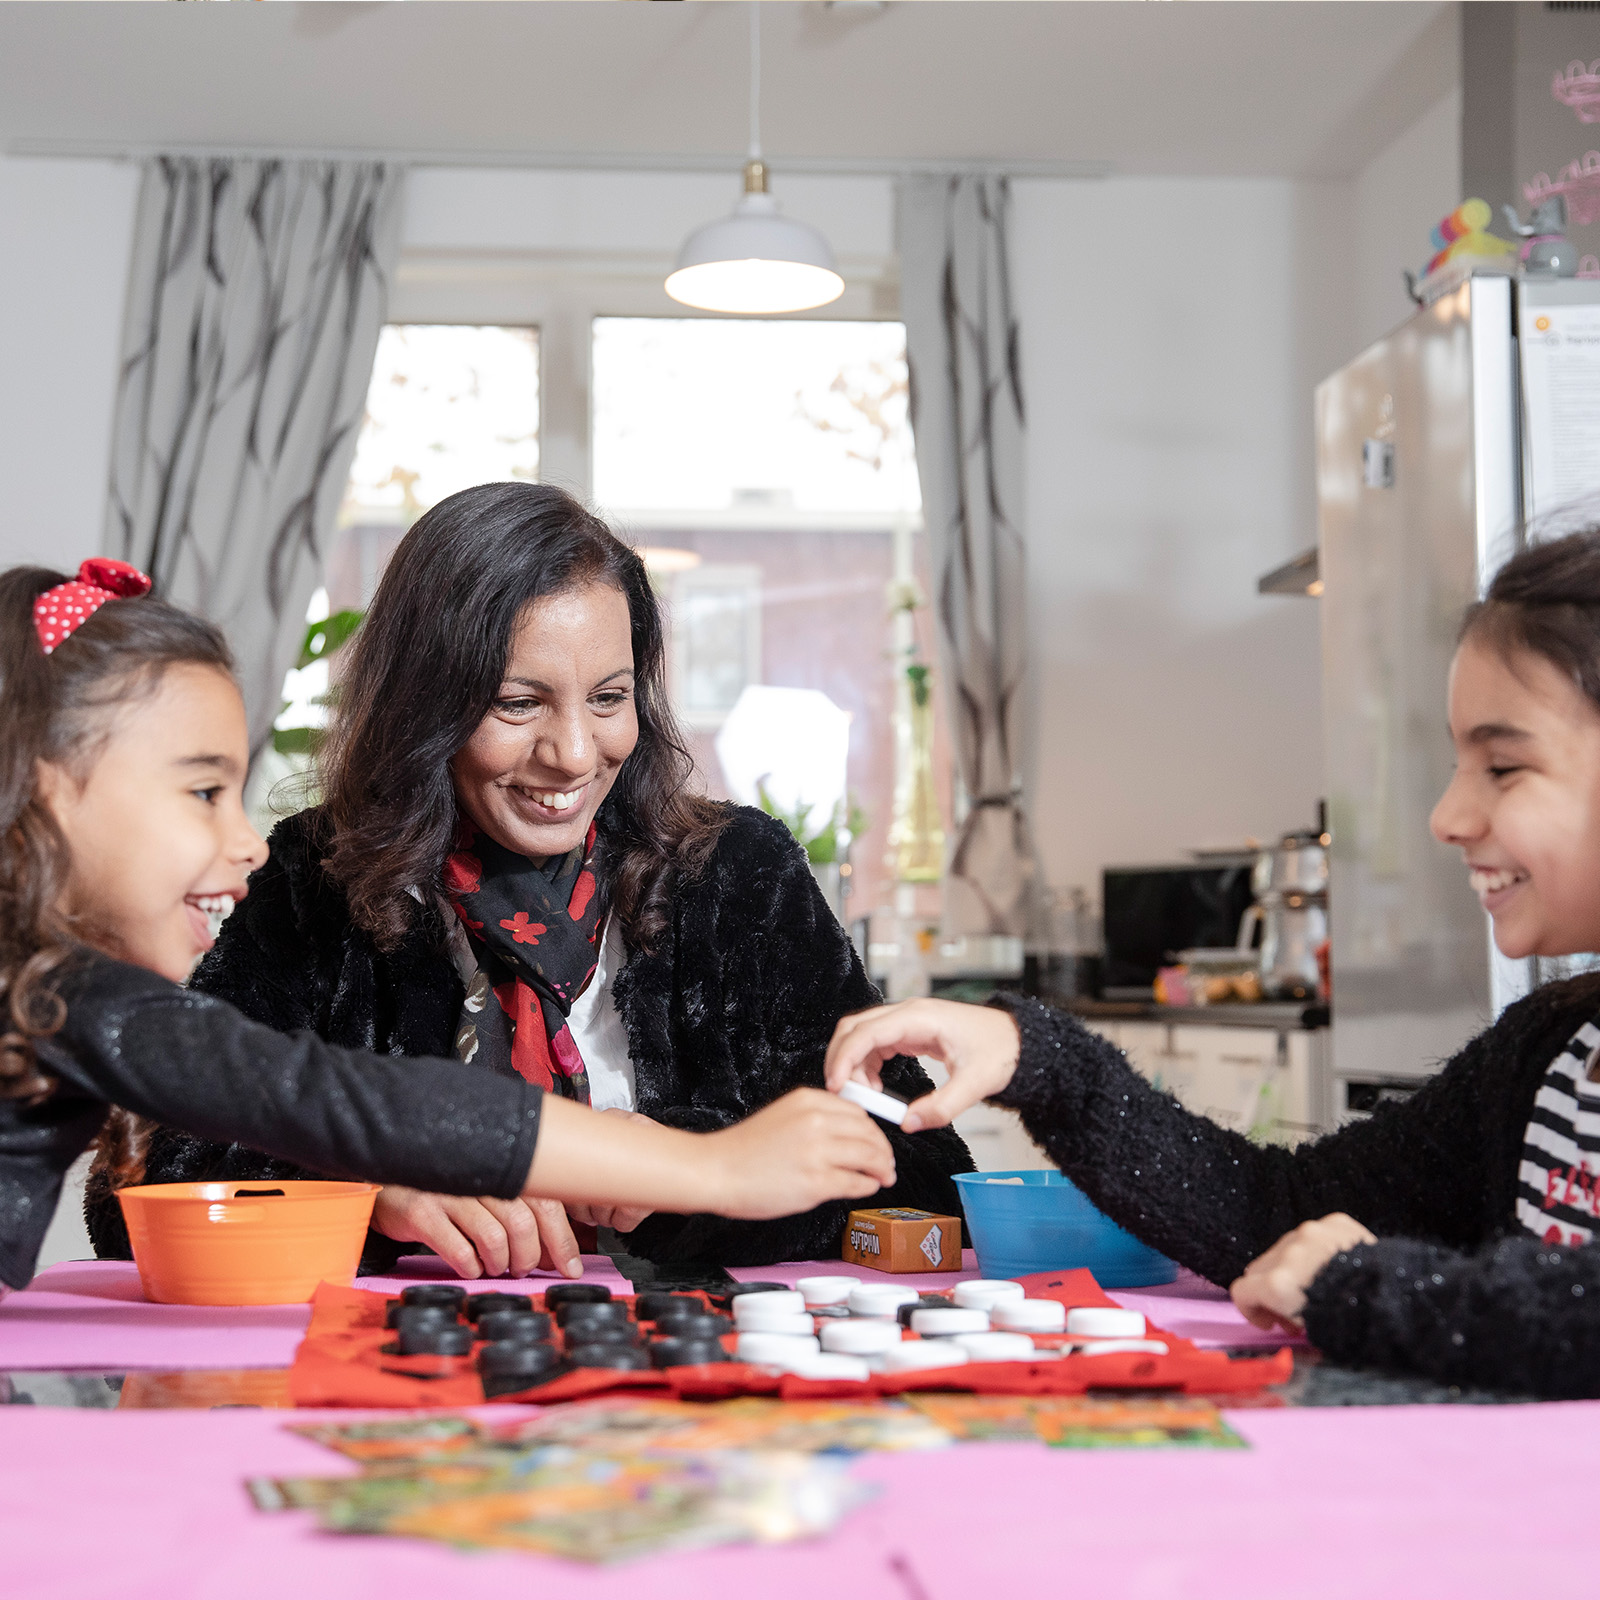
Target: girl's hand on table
(623, 1218)
(484, 1236)
(1271, 1291)
(978, 1044)
(802, 1150)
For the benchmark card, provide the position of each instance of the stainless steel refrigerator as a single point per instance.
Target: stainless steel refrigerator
(1437, 450)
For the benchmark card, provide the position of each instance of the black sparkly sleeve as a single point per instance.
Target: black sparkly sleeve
(1207, 1196)
(1517, 1315)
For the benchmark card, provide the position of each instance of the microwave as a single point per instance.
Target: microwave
(1151, 913)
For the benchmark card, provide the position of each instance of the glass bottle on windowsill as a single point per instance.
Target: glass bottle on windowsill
(915, 835)
(908, 977)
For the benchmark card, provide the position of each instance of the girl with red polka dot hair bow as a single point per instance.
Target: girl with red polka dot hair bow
(60, 611)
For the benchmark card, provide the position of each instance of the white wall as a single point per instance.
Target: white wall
(622, 215)
(1172, 331)
(66, 228)
(1398, 197)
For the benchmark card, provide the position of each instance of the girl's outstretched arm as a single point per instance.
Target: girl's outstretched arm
(133, 1039)
(790, 1156)
(1435, 1166)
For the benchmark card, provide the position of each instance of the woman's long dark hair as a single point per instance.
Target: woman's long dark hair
(425, 668)
(1545, 601)
(58, 708)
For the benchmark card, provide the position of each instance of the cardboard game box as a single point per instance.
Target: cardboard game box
(901, 1239)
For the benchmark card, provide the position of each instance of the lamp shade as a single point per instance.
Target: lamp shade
(755, 262)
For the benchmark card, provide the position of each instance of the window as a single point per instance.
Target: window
(767, 469)
(716, 639)
(449, 405)
(745, 423)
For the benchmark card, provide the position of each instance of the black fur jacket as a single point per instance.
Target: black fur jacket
(734, 1007)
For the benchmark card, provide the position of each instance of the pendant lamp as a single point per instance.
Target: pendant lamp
(756, 262)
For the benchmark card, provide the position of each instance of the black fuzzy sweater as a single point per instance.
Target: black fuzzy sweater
(733, 1008)
(1453, 1290)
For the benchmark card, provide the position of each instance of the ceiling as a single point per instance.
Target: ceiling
(1296, 89)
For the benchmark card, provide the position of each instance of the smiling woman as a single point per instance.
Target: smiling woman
(509, 866)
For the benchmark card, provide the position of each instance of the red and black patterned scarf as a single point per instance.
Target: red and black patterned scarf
(535, 930)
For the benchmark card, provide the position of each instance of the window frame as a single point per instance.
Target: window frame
(561, 297)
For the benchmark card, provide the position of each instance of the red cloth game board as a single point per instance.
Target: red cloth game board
(341, 1363)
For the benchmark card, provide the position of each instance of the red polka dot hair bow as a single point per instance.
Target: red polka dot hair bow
(60, 611)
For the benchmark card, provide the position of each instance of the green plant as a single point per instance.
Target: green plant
(322, 641)
(917, 676)
(821, 845)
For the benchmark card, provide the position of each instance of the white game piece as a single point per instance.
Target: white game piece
(1105, 1322)
(1122, 1347)
(1030, 1316)
(984, 1294)
(763, 1321)
(875, 1102)
(774, 1349)
(832, 1291)
(996, 1346)
(861, 1336)
(831, 1366)
(941, 1321)
(880, 1299)
(917, 1354)
(766, 1300)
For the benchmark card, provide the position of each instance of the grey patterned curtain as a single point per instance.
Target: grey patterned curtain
(967, 413)
(257, 293)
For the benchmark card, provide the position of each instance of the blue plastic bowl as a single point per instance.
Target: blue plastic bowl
(1046, 1224)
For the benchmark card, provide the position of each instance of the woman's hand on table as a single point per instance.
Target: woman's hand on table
(484, 1236)
(978, 1044)
(1271, 1291)
(623, 1218)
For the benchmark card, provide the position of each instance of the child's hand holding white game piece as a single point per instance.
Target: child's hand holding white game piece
(978, 1044)
(874, 1101)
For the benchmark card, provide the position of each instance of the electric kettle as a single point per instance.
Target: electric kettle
(1291, 888)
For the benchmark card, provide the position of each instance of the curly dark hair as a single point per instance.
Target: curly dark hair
(423, 672)
(56, 709)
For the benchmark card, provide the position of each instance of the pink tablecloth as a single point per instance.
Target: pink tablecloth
(1329, 1504)
(92, 1315)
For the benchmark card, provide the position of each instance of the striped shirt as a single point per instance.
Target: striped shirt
(1558, 1181)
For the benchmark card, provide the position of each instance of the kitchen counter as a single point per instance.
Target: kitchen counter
(1277, 1016)
(1274, 1015)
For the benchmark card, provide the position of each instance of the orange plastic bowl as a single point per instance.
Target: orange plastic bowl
(245, 1244)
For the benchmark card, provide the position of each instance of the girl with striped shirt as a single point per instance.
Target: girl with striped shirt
(1452, 1234)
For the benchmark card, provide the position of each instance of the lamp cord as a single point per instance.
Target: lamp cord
(755, 79)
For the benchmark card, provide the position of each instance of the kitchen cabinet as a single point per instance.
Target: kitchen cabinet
(1261, 1080)
(994, 1135)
